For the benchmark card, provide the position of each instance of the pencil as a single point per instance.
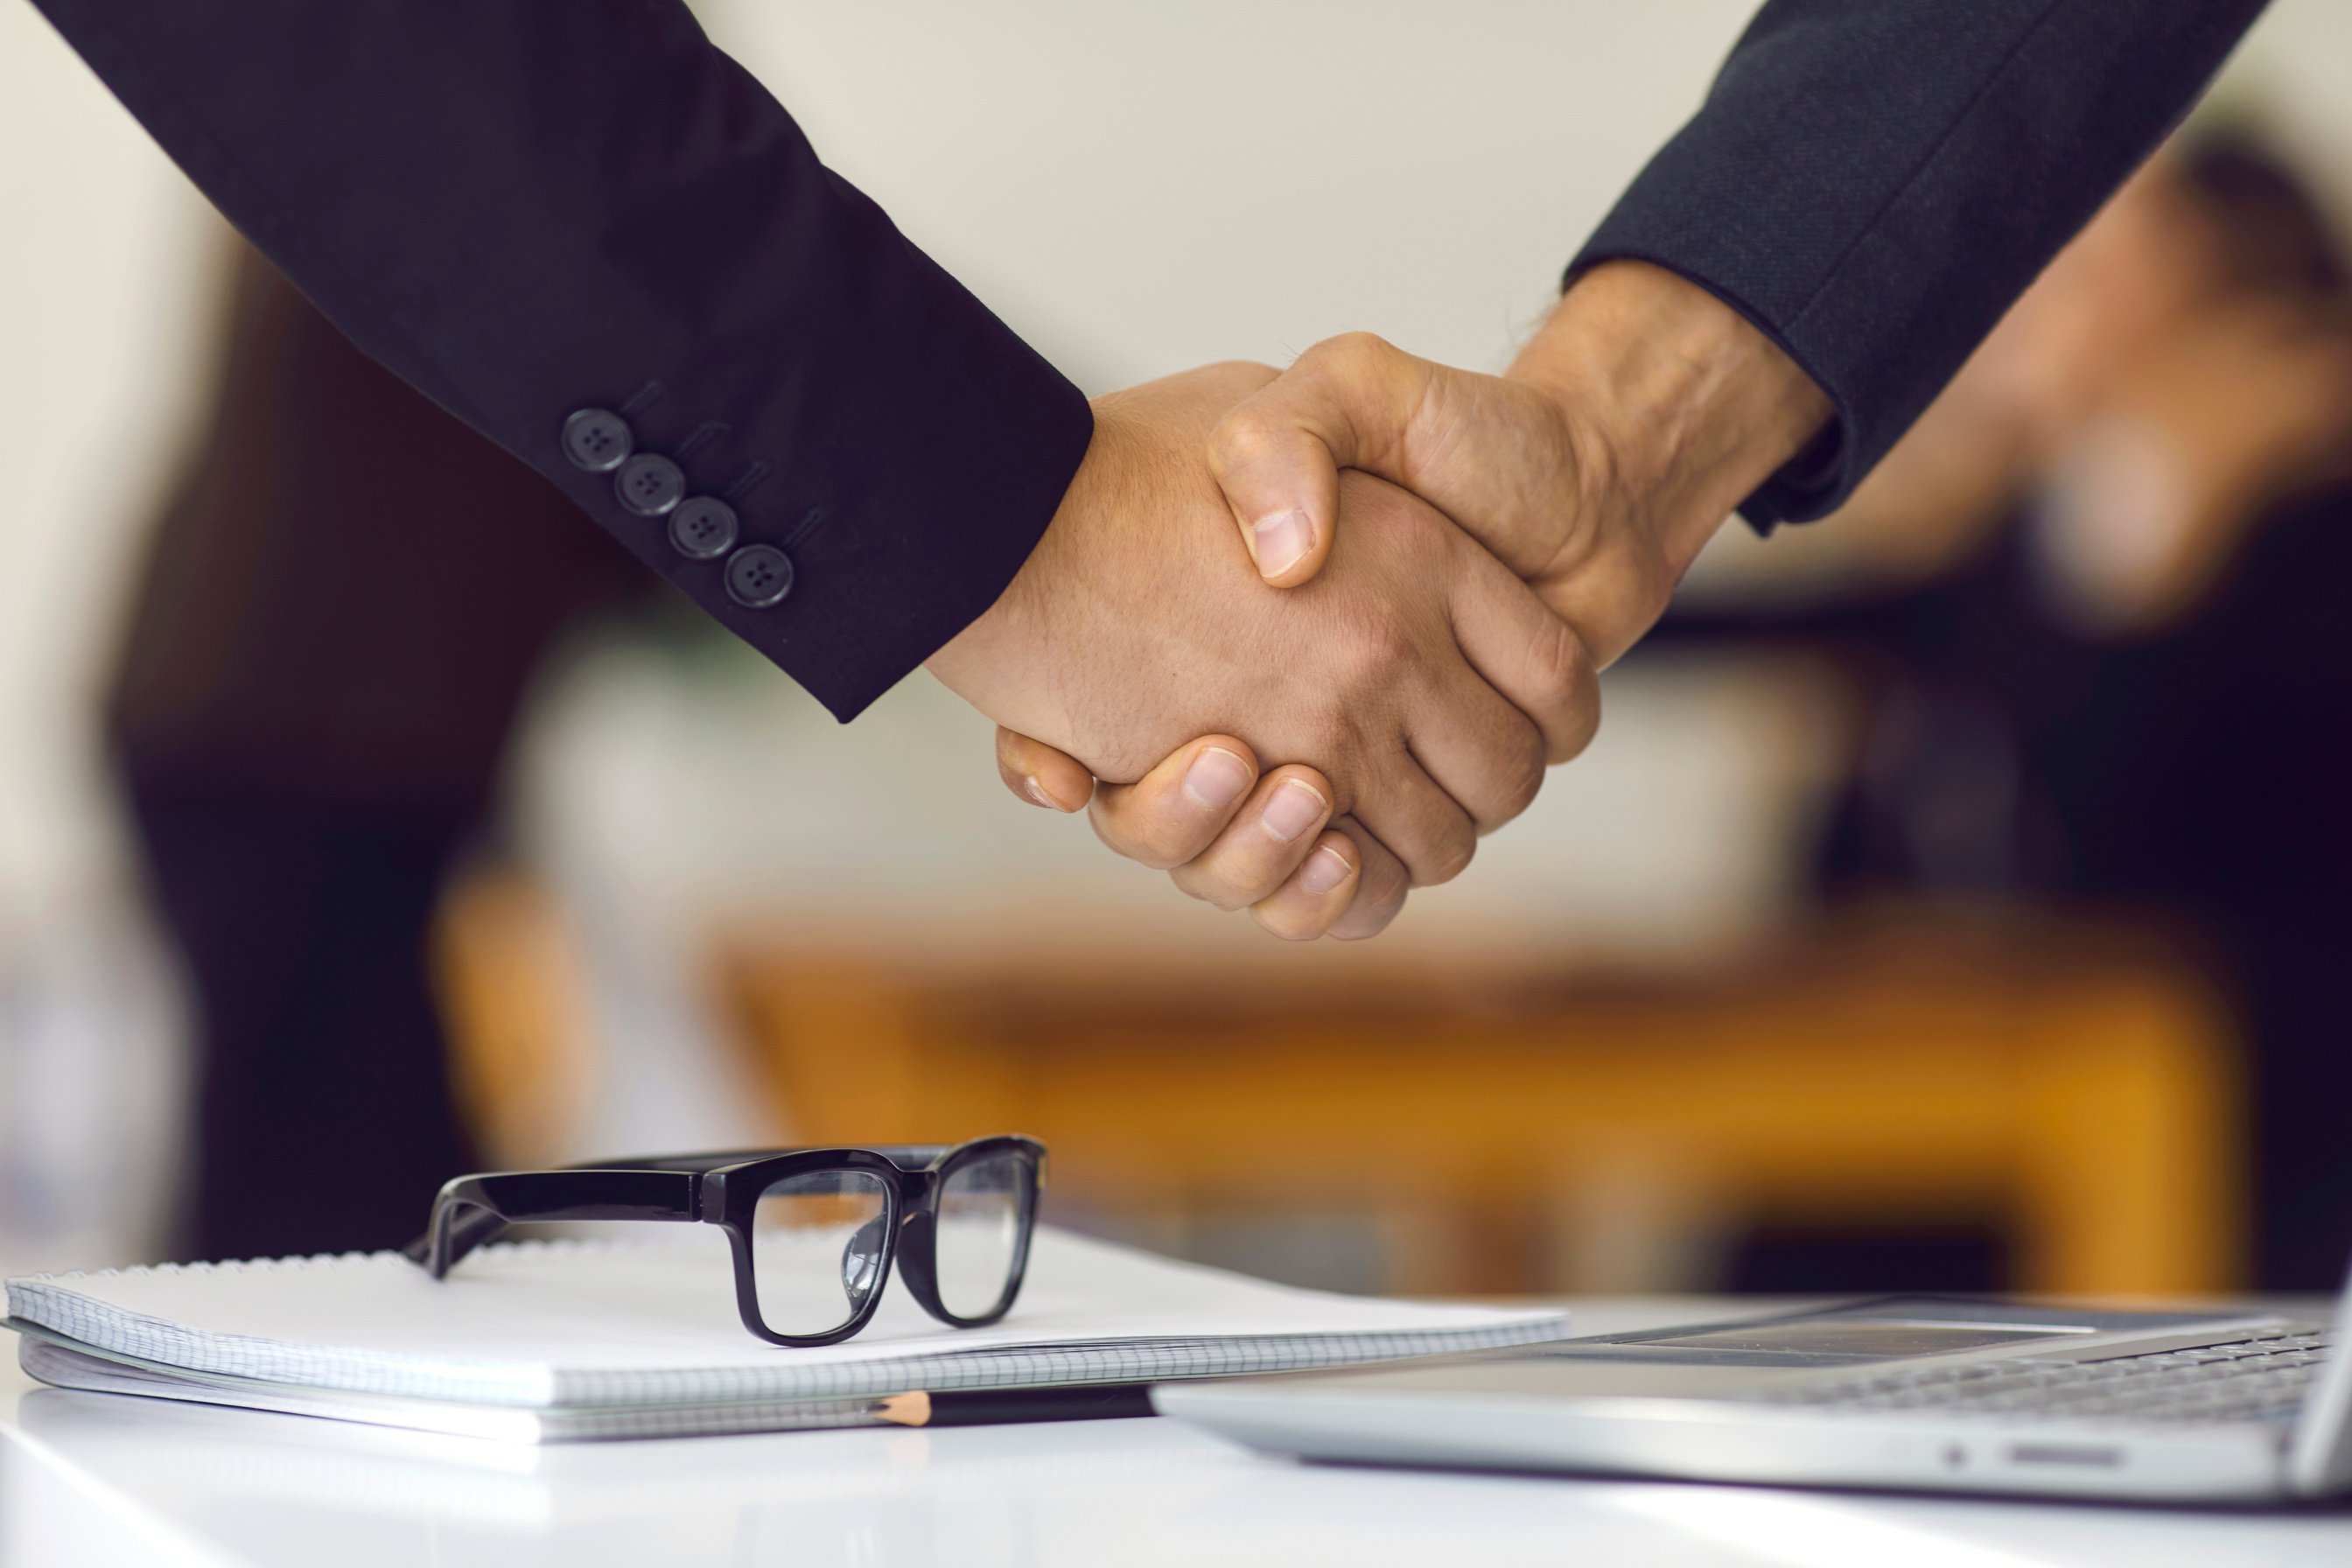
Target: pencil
(991, 1407)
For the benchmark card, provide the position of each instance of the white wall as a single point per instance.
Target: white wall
(106, 254)
(1139, 188)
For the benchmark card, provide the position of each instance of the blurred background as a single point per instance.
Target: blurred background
(1955, 898)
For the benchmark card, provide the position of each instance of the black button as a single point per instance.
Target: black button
(759, 575)
(703, 527)
(649, 484)
(597, 440)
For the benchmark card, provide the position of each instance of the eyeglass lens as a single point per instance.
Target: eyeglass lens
(817, 1243)
(982, 1207)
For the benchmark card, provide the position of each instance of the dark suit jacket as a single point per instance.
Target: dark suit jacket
(528, 209)
(1874, 182)
(312, 623)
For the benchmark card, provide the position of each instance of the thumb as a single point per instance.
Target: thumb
(1496, 455)
(1040, 775)
(1347, 403)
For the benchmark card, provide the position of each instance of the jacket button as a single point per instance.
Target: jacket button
(597, 440)
(702, 527)
(759, 575)
(649, 484)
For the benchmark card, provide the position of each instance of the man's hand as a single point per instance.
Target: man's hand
(1643, 413)
(1228, 837)
(1640, 414)
(1426, 682)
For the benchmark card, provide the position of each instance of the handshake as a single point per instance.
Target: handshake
(1507, 538)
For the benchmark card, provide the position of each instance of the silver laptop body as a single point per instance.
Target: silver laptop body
(1908, 1392)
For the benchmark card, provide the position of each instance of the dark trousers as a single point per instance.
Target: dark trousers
(325, 1119)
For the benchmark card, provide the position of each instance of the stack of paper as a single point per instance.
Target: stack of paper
(552, 1341)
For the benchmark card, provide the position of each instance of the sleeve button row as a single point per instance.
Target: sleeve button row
(650, 485)
(597, 440)
(701, 527)
(759, 576)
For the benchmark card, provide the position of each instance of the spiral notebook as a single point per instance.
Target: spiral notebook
(541, 1342)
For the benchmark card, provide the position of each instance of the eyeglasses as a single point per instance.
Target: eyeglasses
(814, 1231)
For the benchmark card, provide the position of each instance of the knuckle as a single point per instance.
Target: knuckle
(1277, 920)
(1581, 724)
(1189, 885)
(1522, 780)
(1375, 651)
(1447, 857)
(1207, 885)
(1375, 907)
(1248, 437)
(1590, 718)
(1560, 667)
(1350, 355)
(1121, 836)
(1165, 844)
(1562, 682)
(1339, 737)
(1177, 827)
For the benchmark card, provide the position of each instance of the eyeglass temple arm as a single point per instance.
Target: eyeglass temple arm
(903, 1154)
(474, 1210)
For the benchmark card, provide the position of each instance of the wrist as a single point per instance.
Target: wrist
(1682, 406)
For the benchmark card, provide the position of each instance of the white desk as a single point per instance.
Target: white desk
(93, 1480)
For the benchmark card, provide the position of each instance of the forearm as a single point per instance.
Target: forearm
(533, 206)
(1684, 406)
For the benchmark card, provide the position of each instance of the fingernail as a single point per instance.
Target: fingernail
(1295, 808)
(1038, 793)
(1283, 540)
(1216, 778)
(1325, 869)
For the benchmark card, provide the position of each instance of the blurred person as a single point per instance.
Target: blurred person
(608, 247)
(309, 715)
(2096, 644)
(2123, 683)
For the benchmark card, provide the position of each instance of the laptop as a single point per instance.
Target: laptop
(1913, 1393)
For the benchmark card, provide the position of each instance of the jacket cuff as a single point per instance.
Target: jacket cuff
(1815, 482)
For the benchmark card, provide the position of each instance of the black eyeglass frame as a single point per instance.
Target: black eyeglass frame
(724, 1190)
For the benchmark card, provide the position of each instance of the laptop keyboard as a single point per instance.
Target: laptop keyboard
(2261, 1377)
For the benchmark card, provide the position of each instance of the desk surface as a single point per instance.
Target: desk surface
(95, 1479)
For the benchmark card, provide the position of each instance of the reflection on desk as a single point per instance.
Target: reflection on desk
(93, 1478)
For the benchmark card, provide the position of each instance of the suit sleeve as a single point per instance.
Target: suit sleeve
(1873, 184)
(537, 209)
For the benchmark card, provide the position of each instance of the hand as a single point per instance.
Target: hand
(1644, 412)
(1222, 840)
(1640, 414)
(1136, 627)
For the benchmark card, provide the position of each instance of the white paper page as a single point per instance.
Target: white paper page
(538, 1322)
